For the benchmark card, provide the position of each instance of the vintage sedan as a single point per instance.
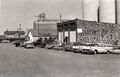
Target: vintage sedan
(76, 47)
(29, 45)
(97, 48)
(59, 46)
(68, 46)
(116, 49)
(50, 46)
(17, 43)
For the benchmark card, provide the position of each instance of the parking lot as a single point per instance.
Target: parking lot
(41, 62)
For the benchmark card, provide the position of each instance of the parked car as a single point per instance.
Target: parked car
(29, 45)
(37, 43)
(42, 45)
(116, 49)
(68, 46)
(76, 47)
(59, 46)
(17, 43)
(13, 42)
(97, 48)
(50, 46)
(22, 44)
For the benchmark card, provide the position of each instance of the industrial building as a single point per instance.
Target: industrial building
(44, 23)
(88, 32)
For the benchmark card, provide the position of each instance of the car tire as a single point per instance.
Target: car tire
(95, 52)
(108, 52)
(82, 51)
(75, 51)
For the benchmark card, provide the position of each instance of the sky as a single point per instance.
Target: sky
(24, 12)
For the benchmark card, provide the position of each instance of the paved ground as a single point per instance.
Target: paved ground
(20, 62)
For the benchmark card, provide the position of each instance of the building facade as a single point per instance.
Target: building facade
(88, 32)
(34, 35)
(43, 23)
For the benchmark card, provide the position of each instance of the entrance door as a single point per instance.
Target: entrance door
(66, 39)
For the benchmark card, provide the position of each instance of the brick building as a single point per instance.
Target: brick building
(88, 31)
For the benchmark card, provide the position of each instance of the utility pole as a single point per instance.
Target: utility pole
(38, 27)
(61, 26)
(60, 17)
(19, 27)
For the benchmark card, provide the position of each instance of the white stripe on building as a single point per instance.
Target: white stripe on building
(60, 36)
(72, 36)
(90, 10)
(118, 11)
(107, 11)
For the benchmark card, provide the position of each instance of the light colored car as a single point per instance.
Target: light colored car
(76, 47)
(29, 45)
(97, 48)
(116, 49)
(59, 47)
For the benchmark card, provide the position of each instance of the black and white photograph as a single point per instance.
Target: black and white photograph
(59, 38)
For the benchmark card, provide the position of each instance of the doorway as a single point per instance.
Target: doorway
(66, 39)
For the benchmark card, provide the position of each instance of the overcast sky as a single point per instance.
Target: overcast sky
(15, 12)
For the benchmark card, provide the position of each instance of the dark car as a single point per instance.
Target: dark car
(17, 43)
(50, 46)
(42, 45)
(22, 44)
(37, 43)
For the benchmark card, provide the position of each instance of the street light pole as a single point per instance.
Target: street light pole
(38, 28)
(61, 27)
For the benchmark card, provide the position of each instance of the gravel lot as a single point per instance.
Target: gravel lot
(38, 62)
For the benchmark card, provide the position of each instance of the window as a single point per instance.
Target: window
(60, 28)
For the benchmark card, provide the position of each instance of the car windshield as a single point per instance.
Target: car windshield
(92, 44)
(77, 44)
(105, 45)
(85, 44)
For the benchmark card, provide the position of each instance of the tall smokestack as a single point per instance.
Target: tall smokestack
(90, 10)
(107, 11)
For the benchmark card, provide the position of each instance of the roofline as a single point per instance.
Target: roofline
(75, 20)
